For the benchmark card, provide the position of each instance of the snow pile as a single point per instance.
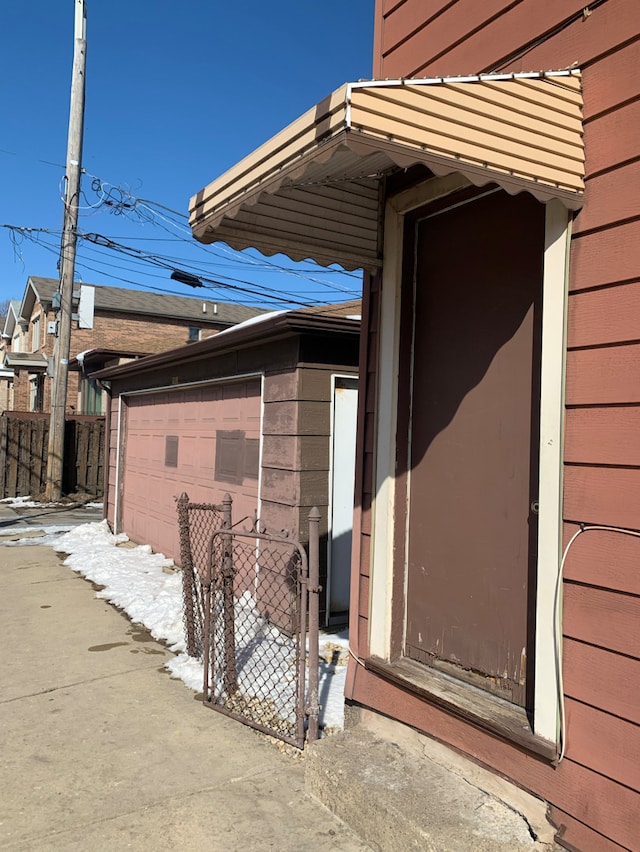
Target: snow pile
(143, 585)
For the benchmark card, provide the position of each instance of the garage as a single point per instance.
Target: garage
(204, 440)
(265, 411)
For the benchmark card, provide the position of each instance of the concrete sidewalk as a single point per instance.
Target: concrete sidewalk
(101, 749)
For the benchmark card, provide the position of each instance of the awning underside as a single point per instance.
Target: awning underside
(314, 190)
(32, 361)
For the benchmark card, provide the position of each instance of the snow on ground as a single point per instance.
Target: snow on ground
(146, 587)
(26, 503)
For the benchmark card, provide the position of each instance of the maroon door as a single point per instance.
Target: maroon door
(473, 443)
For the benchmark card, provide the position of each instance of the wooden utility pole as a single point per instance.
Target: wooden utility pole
(55, 458)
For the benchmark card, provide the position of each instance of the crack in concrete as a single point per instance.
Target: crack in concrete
(491, 795)
(80, 683)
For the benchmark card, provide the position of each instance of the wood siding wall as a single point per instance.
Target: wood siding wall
(595, 792)
(296, 431)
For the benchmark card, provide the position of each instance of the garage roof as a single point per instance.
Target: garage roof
(313, 190)
(339, 320)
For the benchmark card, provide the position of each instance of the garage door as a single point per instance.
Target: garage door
(205, 441)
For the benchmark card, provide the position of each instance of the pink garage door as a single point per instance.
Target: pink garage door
(205, 441)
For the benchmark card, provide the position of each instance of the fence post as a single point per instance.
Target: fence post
(228, 602)
(186, 560)
(314, 620)
(4, 437)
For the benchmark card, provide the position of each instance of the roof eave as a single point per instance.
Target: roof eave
(268, 330)
(314, 189)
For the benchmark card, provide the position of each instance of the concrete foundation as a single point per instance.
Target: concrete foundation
(400, 790)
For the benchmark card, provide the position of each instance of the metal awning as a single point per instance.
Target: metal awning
(34, 362)
(313, 190)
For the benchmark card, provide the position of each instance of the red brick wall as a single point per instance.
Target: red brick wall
(21, 391)
(146, 334)
(112, 330)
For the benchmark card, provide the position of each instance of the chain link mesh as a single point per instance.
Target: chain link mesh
(254, 650)
(245, 615)
(197, 522)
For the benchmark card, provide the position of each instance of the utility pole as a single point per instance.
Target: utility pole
(67, 257)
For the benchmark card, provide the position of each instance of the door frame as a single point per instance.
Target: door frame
(383, 612)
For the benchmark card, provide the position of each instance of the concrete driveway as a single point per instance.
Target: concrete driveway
(101, 749)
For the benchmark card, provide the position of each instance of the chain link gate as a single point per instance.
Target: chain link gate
(196, 523)
(252, 592)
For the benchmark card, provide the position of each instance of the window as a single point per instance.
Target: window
(237, 457)
(194, 333)
(92, 397)
(171, 451)
(35, 333)
(36, 393)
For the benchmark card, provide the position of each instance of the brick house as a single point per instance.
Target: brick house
(110, 325)
(6, 338)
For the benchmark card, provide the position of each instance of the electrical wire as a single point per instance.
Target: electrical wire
(258, 293)
(557, 627)
(522, 51)
(169, 265)
(253, 294)
(117, 196)
(119, 200)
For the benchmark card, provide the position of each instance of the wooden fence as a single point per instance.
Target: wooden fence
(24, 440)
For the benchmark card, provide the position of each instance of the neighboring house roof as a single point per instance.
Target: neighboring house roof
(33, 361)
(351, 309)
(121, 300)
(11, 318)
(328, 318)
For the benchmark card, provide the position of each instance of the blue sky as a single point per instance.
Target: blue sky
(176, 94)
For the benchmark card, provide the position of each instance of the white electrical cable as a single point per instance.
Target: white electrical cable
(557, 625)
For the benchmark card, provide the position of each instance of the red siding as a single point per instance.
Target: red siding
(464, 37)
(604, 807)
(593, 794)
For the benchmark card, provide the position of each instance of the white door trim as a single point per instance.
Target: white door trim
(335, 379)
(555, 282)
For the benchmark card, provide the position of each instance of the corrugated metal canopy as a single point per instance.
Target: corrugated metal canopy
(313, 190)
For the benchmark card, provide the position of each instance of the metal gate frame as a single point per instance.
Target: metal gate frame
(193, 555)
(216, 626)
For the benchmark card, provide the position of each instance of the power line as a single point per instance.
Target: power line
(129, 203)
(230, 284)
